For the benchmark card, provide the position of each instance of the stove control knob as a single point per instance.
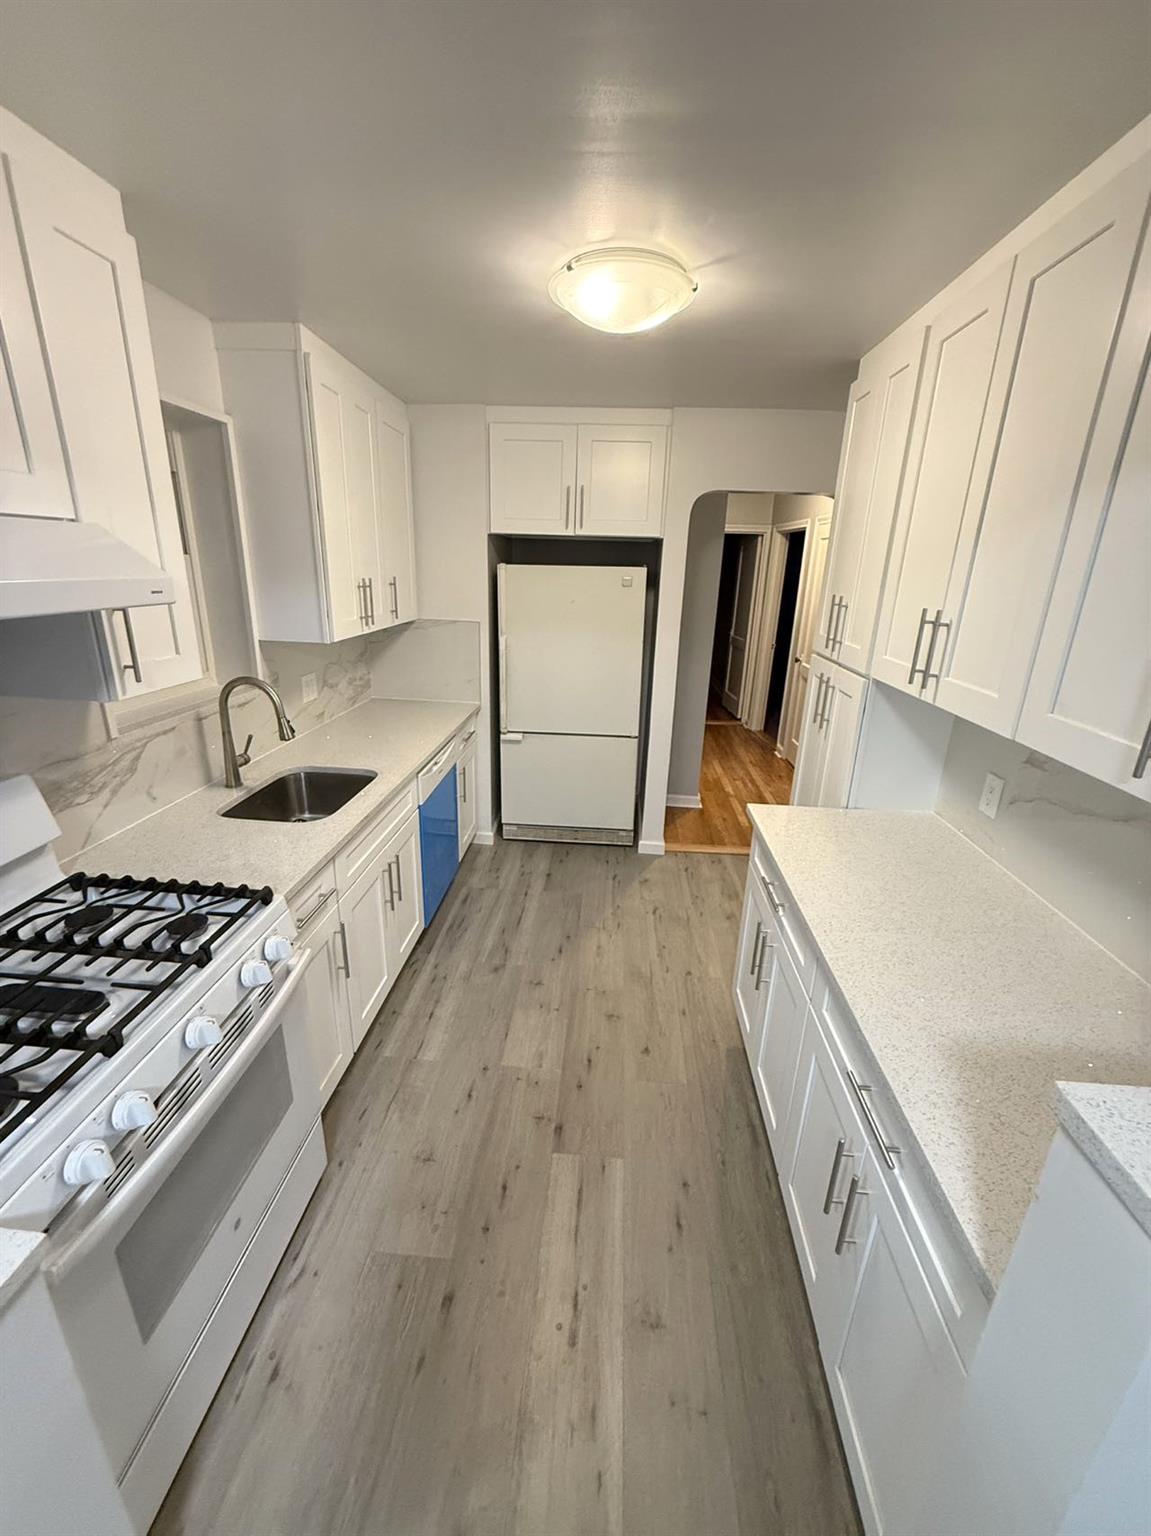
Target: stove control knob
(202, 1032)
(133, 1111)
(255, 973)
(277, 948)
(89, 1162)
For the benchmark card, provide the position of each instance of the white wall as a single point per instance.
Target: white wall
(696, 640)
(1081, 845)
(737, 450)
(750, 509)
(450, 496)
(187, 369)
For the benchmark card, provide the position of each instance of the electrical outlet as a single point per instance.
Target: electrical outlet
(989, 799)
(309, 688)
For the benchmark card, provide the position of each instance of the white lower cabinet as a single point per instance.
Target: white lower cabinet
(326, 986)
(830, 736)
(466, 797)
(893, 1361)
(405, 915)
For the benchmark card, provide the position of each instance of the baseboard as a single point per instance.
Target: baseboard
(655, 846)
(485, 839)
(688, 802)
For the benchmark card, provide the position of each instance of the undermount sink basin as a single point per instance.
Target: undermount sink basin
(307, 794)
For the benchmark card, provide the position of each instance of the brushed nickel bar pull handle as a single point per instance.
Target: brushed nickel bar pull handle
(133, 663)
(317, 906)
(918, 643)
(581, 491)
(936, 625)
(394, 584)
(837, 637)
(362, 597)
(818, 698)
(842, 1240)
(372, 599)
(755, 949)
(391, 889)
(347, 966)
(830, 620)
(765, 945)
(888, 1149)
(825, 702)
(769, 890)
(399, 880)
(567, 507)
(1144, 754)
(836, 1164)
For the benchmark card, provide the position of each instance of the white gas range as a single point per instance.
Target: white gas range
(159, 1120)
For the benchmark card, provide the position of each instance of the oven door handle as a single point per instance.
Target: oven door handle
(138, 1190)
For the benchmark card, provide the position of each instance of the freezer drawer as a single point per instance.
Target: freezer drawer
(568, 781)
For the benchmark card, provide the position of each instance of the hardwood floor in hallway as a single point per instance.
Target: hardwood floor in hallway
(546, 1285)
(739, 767)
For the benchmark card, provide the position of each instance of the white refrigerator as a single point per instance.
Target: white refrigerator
(570, 684)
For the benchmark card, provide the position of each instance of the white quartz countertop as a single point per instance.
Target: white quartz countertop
(1111, 1124)
(973, 996)
(191, 841)
(19, 1254)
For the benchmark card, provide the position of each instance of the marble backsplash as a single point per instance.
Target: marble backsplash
(97, 785)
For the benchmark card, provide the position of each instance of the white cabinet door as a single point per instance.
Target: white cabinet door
(893, 1371)
(466, 798)
(811, 763)
(33, 475)
(830, 736)
(824, 1156)
(85, 279)
(405, 912)
(396, 602)
(1088, 700)
(961, 348)
(747, 986)
(620, 475)
(777, 1059)
(364, 913)
(1067, 301)
(326, 988)
(533, 472)
(870, 473)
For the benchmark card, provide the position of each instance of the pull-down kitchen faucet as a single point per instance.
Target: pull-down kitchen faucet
(233, 760)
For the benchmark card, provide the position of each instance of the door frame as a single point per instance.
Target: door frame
(765, 613)
(806, 606)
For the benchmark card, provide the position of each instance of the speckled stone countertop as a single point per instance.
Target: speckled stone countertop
(972, 996)
(190, 841)
(19, 1255)
(1111, 1125)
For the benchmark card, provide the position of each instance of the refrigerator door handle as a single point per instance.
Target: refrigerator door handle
(503, 683)
(511, 735)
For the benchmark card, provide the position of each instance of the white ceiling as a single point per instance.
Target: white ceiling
(404, 175)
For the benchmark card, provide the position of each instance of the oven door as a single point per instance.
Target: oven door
(136, 1284)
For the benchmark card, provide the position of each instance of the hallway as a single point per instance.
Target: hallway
(739, 767)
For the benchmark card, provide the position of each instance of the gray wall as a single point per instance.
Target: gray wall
(696, 637)
(1081, 845)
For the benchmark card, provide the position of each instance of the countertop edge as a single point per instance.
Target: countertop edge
(1082, 1111)
(19, 1256)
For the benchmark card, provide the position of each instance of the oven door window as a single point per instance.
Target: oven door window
(159, 1251)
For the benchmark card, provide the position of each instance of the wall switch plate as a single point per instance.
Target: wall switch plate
(992, 792)
(310, 689)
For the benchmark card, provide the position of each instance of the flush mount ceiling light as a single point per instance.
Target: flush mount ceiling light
(622, 289)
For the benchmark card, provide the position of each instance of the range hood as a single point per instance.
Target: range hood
(55, 565)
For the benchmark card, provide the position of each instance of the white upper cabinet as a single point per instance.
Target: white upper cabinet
(870, 473)
(1088, 701)
(587, 479)
(324, 455)
(961, 347)
(70, 263)
(1067, 301)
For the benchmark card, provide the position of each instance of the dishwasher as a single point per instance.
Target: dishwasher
(439, 828)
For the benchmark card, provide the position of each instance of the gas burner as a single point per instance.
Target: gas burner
(187, 926)
(84, 919)
(38, 1000)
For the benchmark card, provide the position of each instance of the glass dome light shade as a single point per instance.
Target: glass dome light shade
(623, 289)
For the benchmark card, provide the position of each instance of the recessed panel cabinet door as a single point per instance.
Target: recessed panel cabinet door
(329, 1020)
(396, 603)
(466, 791)
(811, 764)
(1088, 700)
(748, 987)
(365, 915)
(405, 892)
(1064, 312)
(774, 1067)
(533, 470)
(620, 475)
(870, 473)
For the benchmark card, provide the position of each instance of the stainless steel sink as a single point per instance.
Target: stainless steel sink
(307, 794)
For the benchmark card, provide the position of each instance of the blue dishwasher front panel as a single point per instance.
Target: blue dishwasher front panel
(439, 842)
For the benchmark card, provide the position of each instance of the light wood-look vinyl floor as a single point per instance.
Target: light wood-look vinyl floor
(546, 1285)
(739, 768)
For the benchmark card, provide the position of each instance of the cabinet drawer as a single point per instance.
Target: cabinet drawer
(792, 930)
(953, 1282)
(357, 854)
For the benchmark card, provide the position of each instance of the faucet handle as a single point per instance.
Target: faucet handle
(244, 757)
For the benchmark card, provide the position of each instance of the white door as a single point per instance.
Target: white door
(568, 781)
(777, 1059)
(571, 648)
(1063, 316)
(620, 477)
(533, 471)
(1088, 700)
(748, 988)
(466, 797)
(365, 916)
(961, 348)
(895, 1374)
(405, 916)
(33, 475)
(396, 603)
(735, 674)
(326, 989)
(90, 299)
(814, 565)
(870, 474)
